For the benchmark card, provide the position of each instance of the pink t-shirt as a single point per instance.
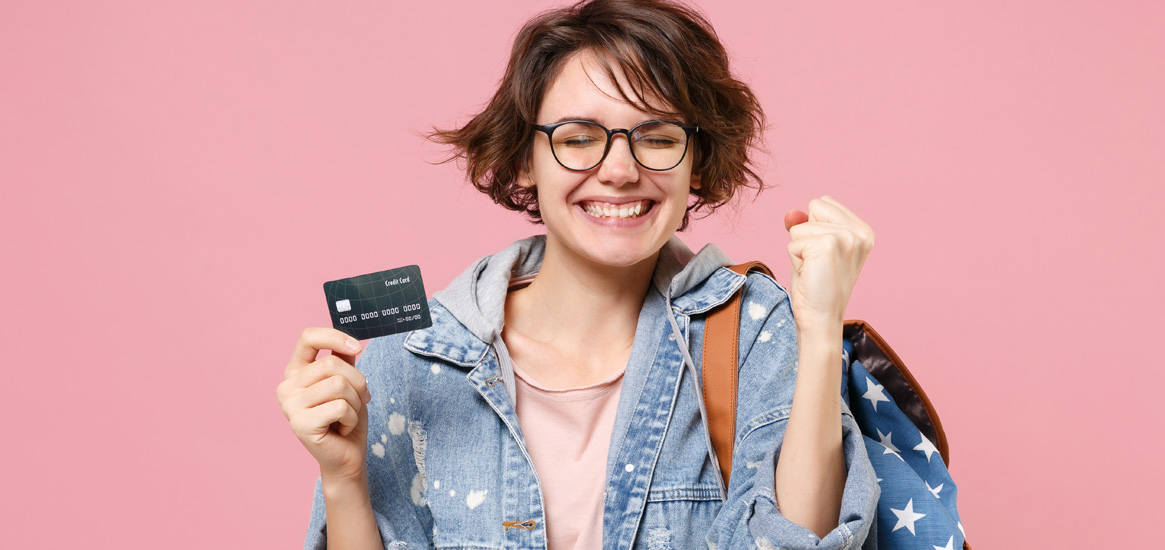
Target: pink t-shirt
(567, 434)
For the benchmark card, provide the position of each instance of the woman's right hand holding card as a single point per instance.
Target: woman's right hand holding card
(323, 398)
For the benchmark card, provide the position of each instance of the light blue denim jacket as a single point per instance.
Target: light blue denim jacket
(447, 463)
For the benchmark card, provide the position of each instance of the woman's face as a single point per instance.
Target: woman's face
(572, 202)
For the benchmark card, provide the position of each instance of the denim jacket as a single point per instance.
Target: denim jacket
(447, 463)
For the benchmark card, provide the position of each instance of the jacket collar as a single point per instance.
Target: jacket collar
(468, 314)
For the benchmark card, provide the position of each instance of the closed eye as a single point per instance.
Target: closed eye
(579, 141)
(658, 142)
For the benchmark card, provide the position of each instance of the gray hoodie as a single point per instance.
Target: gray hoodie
(477, 297)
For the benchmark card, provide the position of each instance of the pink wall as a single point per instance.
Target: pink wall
(179, 179)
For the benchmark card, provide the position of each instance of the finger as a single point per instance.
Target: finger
(821, 210)
(314, 339)
(794, 217)
(814, 245)
(857, 239)
(796, 250)
(347, 358)
(843, 234)
(863, 230)
(328, 389)
(316, 421)
(348, 419)
(329, 366)
(840, 206)
(795, 259)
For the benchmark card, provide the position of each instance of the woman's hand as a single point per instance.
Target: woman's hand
(323, 399)
(829, 246)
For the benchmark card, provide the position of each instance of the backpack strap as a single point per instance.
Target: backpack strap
(721, 345)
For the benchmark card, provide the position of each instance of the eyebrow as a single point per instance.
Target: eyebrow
(570, 117)
(673, 120)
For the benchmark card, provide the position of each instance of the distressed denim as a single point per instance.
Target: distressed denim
(447, 466)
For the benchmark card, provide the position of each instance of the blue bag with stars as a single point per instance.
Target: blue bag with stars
(906, 445)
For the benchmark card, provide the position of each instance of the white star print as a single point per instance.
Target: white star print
(906, 517)
(934, 490)
(961, 530)
(926, 446)
(889, 445)
(950, 545)
(874, 393)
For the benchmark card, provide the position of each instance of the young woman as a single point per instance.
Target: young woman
(555, 401)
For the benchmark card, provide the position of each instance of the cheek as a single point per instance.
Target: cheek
(682, 192)
(553, 192)
(683, 199)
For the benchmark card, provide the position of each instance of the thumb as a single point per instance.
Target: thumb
(794, 217)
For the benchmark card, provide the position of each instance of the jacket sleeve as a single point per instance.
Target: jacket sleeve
(750, 517)
(389, 459)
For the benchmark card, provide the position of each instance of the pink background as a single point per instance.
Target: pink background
(180, 178)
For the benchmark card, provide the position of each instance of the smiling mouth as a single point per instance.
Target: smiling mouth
(600, 209)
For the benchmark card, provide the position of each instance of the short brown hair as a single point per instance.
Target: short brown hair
(666, 50)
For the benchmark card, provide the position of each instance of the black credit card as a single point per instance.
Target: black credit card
(379, 304)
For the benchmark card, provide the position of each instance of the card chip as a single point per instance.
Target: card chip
(343, 305)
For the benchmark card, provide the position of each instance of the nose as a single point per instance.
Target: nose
(619, 167)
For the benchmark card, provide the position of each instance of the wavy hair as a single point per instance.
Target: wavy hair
(666, 50)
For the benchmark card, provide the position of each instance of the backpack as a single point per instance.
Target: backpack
(917, 507)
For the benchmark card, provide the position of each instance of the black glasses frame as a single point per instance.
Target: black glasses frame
(549, 129)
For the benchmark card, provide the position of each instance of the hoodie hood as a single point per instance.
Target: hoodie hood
(477, 297)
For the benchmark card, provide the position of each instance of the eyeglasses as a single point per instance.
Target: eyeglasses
(581, 145)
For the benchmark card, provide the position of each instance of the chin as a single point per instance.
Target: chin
(618, 254)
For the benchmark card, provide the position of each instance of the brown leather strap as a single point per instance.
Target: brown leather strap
(721, 345)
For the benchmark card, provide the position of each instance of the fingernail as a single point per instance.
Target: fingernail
(367, 396)
(352, 344)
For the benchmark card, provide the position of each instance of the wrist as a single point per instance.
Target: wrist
(343, 486)
(819, 348)
(820, 328)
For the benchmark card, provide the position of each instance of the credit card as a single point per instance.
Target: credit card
(379, 304)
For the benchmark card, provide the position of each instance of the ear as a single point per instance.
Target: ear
(695, 183)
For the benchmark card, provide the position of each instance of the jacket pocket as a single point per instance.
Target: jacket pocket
(678, 517)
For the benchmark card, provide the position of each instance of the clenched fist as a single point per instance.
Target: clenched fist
(829, 245)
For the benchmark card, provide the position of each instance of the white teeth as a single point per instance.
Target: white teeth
(615, 212)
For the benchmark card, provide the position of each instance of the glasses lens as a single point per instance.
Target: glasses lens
(659, 145)
(579, 145)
